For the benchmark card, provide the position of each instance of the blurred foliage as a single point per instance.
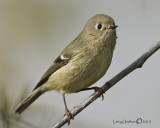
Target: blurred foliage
(8, 119)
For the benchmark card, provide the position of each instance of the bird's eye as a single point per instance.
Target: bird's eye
(99, 26)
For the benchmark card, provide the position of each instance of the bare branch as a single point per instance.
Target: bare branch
(136, 64)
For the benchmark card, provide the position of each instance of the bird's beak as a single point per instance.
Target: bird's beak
(112, 26)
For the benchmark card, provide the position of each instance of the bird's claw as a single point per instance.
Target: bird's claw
(69, 116)
(100, 91)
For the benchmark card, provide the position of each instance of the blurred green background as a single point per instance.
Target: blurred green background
(34, 32)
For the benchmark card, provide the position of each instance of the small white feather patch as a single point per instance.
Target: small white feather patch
(63, 58)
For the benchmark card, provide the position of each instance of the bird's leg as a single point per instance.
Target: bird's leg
(96, 89)
(68, 113)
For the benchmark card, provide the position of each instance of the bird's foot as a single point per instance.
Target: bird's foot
(69, 116)
(96, 89)
(100, 91)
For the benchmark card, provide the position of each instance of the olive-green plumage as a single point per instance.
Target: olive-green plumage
(83, 62)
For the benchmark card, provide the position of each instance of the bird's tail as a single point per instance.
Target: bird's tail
(26, 102)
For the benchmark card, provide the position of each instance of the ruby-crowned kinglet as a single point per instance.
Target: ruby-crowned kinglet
(83, 62)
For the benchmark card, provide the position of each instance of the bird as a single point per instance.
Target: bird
(82, 63)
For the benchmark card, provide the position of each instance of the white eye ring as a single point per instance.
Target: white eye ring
(99, 26)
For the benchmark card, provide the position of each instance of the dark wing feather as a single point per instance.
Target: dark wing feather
(58, 63)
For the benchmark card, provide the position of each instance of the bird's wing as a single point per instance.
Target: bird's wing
(67, 54)
(61, 61)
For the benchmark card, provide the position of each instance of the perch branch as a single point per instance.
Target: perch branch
(136, 64)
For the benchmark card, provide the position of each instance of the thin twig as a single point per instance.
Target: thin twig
(136, 64)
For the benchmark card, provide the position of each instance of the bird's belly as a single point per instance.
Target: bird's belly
(75, 77)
